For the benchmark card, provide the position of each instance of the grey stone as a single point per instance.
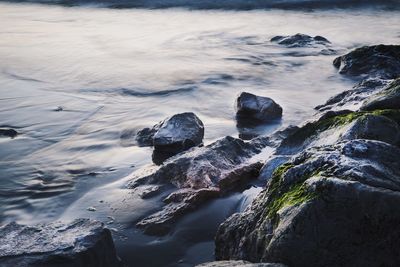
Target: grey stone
(199, 175)
(352, 99)
(374, 127)
(374, 61)
(300, 40)
(256, 109)
(389, 98)
(172, 136)
(81, 243)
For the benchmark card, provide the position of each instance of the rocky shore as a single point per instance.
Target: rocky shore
(331, 186)
(334, 201)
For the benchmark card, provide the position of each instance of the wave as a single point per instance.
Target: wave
(224, 4)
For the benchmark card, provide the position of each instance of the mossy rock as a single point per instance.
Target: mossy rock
(330, 120)
(389, 98)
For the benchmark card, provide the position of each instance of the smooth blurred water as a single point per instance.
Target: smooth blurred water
(114, 72)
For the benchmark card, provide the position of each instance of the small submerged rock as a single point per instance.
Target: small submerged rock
(381, 61)
(8, 133)
(58, 108)
(80, 243)
(300, 40)
(172, 136)
(253, 109)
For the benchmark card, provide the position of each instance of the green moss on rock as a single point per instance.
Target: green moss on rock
(282, 196)
(277, 176)
(296, 195)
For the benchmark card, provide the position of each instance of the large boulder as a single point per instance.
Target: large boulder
(374, 61)
(173, 135)
(81, 243)
(334, 205)
(256, 109)
(300, 40)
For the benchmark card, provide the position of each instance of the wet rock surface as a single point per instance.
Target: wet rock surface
(374, 127)
(300, 40)
(381, 61)
(8, 133)
(388, 98)
(145, 136)
(353, 98)
(173, 135)
(253, 109)
(239, 264)
(80, 243)
(201, 174)
(334, 126)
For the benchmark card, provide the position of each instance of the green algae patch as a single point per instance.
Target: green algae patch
(296, 195)
(281, 196)
(277, 176)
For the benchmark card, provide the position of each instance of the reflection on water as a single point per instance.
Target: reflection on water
(78, 83)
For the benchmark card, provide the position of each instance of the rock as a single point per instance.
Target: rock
(150, 191)
(256, 109)
(8, 133)
(300, 40)
(179, 132)
(334, 205)
(82, 242)
(334, 126)
(145, 136)
(381, 61)
(177, 204)
(201, 174)
(352, 99)
(374, 127)
(238, 264)
(389, 98)
(172, 136)
(271, 165)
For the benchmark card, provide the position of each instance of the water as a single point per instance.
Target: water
(78, 82)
